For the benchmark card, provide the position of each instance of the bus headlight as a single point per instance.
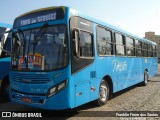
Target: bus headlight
(61, 86)
(52, 90)
(57, 88)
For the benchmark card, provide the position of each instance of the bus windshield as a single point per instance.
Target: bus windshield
(44, 48)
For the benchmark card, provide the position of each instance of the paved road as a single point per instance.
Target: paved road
(136, 98)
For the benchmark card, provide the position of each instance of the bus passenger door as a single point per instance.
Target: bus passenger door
(83, 67)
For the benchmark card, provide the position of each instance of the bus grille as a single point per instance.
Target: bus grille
(30, 78)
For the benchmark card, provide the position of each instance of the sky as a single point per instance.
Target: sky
(134, 16)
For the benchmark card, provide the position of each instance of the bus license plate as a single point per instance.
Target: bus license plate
(25, 99)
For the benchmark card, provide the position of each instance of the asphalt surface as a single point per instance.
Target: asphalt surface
(135, 98)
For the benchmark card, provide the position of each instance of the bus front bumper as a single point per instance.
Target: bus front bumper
(58, 101)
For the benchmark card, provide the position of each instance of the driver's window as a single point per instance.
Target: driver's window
(85, 44)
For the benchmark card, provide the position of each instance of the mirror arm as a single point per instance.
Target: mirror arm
(9, 52)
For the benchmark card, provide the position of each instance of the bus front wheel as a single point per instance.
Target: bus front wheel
(103, 93)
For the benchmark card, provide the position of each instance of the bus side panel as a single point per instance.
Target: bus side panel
(82, 93)
(59, 101)
(106, 66)
(95, 86)
(124, 71)
(135, 71)
(155, 66)
(153, 69)
(120, 70)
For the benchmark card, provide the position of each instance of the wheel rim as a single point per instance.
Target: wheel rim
(103, 92)
(146, 78)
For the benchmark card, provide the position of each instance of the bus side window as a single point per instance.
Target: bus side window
(82, 50)
(130, 46)
(154, 51)
(138, 45)
(104, 41)
(120, 44)
(85, 44)
(150, 53)
(145, 50)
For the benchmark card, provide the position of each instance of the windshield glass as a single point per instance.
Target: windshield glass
(40, 49)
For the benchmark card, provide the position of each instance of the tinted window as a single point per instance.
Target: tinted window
(120, 46)
(82, 24)
(145, 53)
(144, 45)
(46, 51)
(82, 46)
(130, 46)
(150, 51)
(119, 39)
(104, 41)
(138, 45)
(120, 50)
(154, 51)
(145, 50)
(85, 45)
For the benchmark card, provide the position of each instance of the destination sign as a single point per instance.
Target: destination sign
(37, 17)
(51, 16)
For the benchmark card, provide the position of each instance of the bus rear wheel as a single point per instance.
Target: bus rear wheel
(103, 93)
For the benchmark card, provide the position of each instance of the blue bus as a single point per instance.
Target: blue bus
(4, 60)
(62, 58)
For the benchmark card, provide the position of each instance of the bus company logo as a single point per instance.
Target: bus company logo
(119, 66)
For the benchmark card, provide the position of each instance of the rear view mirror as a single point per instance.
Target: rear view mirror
(3, 37)
(5, 42)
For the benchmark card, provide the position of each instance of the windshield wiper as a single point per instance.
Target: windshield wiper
(40, 34)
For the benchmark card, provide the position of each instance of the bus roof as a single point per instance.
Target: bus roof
(105, 24)
(5, 25)
(80, 14)
(41, 9)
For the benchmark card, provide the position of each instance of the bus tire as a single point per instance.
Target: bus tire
(5, 89)
(103, 95)
(146, 76)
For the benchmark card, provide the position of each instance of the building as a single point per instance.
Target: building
(155, 38)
